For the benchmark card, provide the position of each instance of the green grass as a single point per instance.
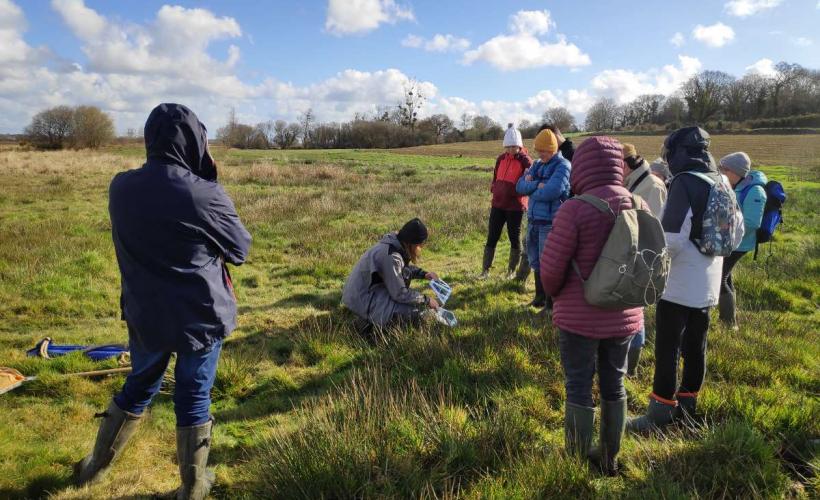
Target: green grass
(306, 409)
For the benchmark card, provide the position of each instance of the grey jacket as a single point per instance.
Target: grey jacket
(378, 287)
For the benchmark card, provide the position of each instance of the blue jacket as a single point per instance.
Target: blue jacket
(544, 201)
(174, 231)
(751, 194)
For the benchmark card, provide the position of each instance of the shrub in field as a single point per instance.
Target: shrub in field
(63, 126)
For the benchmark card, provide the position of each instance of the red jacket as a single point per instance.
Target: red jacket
(579, 232)
(508, 168)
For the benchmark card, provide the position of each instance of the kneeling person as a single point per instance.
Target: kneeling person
(378, 289)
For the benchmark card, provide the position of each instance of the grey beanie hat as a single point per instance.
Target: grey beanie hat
(739, 163)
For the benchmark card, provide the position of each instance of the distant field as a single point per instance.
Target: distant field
(306, 409)
(795, 150)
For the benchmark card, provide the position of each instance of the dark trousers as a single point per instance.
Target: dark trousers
(679, 331)
(726, 284)
(194, 377)
(578, 359)
(499, 217)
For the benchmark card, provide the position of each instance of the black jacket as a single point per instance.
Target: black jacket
(174, 229)
(687, 149)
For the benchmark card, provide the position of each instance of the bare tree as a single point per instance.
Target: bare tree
(439, 126)
(705, 93)
(603, 115)
(286, 134)
(51, 128)
(412, 102)
(560, 117)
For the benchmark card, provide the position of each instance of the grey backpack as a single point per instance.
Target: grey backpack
(634, 263)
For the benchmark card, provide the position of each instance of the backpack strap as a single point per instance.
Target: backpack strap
(640, 179)
(699, 175)
(596, 202)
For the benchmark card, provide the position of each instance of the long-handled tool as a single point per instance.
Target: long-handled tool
(11, 379)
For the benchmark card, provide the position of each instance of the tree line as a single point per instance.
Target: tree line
(789, 98)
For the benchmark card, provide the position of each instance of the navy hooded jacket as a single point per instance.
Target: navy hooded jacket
(174, 230)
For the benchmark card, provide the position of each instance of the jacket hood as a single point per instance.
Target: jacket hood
(392, 240)
(598, 161)
(688, 149)
(755, 178)
(174, 135)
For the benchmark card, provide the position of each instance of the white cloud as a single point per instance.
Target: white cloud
(13, 49)
(744, 8)
(536, 22)
(802, 41)
(347, 17)
(625, 85)
(715, 35)
(439, 43)
(522, 49)
(677, 39)
(763, 67)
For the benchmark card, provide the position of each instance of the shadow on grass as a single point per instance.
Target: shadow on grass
(39, 487)
(321, 301)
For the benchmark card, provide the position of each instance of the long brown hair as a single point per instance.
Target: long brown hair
(414, 251)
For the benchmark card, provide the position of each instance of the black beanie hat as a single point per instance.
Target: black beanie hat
(413, 233)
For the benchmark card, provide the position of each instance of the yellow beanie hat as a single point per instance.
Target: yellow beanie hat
(545, 141)
(629, 150)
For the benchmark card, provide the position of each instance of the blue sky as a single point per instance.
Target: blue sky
(271, 60)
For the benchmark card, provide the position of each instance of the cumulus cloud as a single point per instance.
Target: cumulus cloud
(715, 35)
(439, 43)
(763, 67)
(348, 17)
(13, 48)
(745, 8)
(522, 49)
(537, 22)
(677, 39)
(625, 85)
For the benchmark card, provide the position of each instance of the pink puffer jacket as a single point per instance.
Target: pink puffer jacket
(579, 232)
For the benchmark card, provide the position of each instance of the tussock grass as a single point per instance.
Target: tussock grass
(307, 409)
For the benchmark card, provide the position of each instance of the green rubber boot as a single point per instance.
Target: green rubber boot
(687, 403)
(613, 423)
(487, 262)
(726, 310)
(193, 446)
(116, 429)
(515, 256)
(578, 427)
(632, 360)
(658, 415)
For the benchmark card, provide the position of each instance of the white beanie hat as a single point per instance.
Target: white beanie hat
(512, 137)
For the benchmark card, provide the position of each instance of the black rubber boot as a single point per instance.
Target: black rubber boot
(540, 299)
(515, 256)
(658, 415)
(193, 446)
(116, 429)
(578, 428)
(632, 360)
(726, 310)
(487, 262)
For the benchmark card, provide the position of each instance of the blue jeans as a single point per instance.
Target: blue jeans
(194, 376)
(639, 339)
(578, 359)
(536, 237)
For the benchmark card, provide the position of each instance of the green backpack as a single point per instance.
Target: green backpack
(634, 263)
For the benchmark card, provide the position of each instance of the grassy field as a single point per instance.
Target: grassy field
(305, 409)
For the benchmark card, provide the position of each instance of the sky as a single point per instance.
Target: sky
(275, 59)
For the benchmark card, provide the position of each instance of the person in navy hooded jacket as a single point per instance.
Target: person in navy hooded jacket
(175, 230)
